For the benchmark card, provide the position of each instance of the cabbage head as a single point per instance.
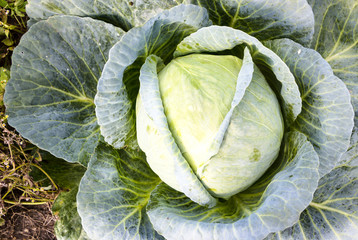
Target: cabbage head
(198, 96)
(194, 119)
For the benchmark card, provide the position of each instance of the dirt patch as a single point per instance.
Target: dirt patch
(28, 223)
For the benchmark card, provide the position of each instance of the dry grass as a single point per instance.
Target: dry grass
(25, 205)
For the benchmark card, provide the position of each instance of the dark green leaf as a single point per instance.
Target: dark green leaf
(54, 75)
(67, 177)
(68, 225)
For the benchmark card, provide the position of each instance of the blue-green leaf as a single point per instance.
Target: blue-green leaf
(49, 98)
(113, 195)
(124, 14)
(119, 84)
(336, 39)
(263, 19)
(333, 213)
(273, 203)
(327, 114)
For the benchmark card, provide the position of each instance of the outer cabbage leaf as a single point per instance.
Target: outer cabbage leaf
(67, 177)
(327, 114)
(68, 225)
(113, 194)
(49, 98)
(243, 81)
(333, 213)
(177, 171)
(273, 203)
(263, 19)
(216, 38)
(123, 14)
(119, 84)
(336, 39)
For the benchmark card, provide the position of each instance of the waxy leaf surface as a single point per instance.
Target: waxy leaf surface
(113, 195)
(119, 84)
(327, 114)
(123, 14)
(333, 213)
(49, 98)
(336, 39)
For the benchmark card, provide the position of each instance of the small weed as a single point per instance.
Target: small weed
(4, 78)
(17, 158)
(12, 27)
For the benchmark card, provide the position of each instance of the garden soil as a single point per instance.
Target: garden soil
(28, 223)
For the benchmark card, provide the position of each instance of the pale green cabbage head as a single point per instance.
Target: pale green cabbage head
(197, 91)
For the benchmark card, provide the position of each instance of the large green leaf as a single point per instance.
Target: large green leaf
(119, 84)
(271, 204)
(49, 98)
(336, 39)
(124, 14)
(113, 195)
(216, 38)
(67, 177)
(327, 114)
(333, 213)
(263, 19)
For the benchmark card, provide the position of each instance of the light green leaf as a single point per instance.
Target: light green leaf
(327, 114)
(333, 213)
(214, 39)
(119, 84)
(49, 98)
(263, 19)
(4, 78)
(124, 14)
(113, 195)
(166, 160)
(336, 39)
(243, 81)
(273, 203)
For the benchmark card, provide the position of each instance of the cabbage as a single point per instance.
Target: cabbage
(195, 119)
